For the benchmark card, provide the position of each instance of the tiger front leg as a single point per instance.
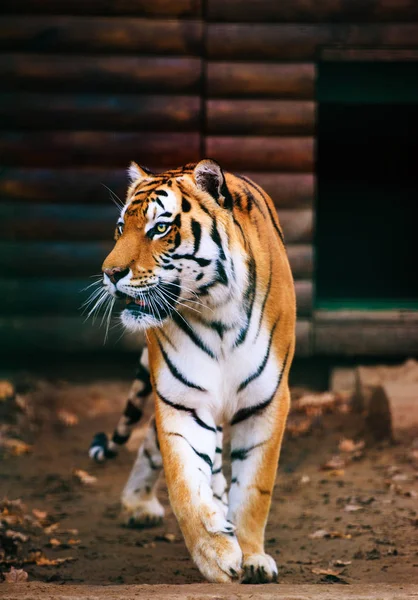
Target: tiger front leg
(188, 442)
(256, 438)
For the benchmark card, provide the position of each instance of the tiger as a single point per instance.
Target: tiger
(200, 262)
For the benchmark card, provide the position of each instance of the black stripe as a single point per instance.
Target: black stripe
(262, 193)
(185, 205)
(218, 450)
(192, 411)
(249, 299)
(132, 413)
(161, 193)
(219, 428)
(177, 240)
(166, 214)
(153, 466)
(262, 366)
(158, 201)
(188, 330)
(221, 273)
(154, 425)
(201, 455)
(246, 413)
(263, 306)
(176, 373)
(202, 262)
(216, 471)
(197, 234)
(242, 453)
(120, 439)
(214, 234)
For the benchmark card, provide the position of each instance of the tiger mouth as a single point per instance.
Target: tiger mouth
(148, 304)
(137, 306)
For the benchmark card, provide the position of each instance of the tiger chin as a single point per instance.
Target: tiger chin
(200, 263)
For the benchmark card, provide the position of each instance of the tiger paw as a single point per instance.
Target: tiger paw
(259, 568)
(144, 513)
(218, 557)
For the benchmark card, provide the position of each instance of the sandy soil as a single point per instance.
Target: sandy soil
(364, 516)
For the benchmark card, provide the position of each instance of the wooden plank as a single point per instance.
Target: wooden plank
(73, 335)
(369, 54)
(366, 338)
(72, 73)
(252, 79)
(79, 259)
(33, 221)
(76, 259)
(300, 42)
(116, 149)
(304, 297)
(56, 333)
(301, 259)
(66, 296)
(156, 8)
(260, 117)
(297, 225)
(62, 186)
(303, 338)
(262, 153)
(100, 34)
(287, 190)
(307, 11)
(100, 111)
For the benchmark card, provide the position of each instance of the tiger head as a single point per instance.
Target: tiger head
(172, 243)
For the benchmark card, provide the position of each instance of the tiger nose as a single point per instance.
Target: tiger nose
(116, 273)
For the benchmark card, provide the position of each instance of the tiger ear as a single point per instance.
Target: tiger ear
(135, 172)
(209, 177)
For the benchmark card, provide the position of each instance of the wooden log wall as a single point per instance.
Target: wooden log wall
(88, 85)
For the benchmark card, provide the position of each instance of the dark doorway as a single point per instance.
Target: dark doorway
(367, 230)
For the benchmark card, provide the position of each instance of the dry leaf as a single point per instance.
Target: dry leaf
(400, 477)
(73, 542)
(84, 477)
(305, 479)
(6, 390)
(16, 576)
(54, 542)
(323, 533)
(347, 445)
(318, 571)
(41, 515)
(299, 427)
(67, 418)
(51, 528)
(336, 473)
(16, 535)
(341, 563)
(70, 531)
(324, 400)
(335, 462)
(42, 561)
(352, 507)
(16, 447)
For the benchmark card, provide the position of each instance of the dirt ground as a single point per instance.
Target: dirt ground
(354, 522)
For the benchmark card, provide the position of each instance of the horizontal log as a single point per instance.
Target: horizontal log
(60, 73)
(262, 153)
(87, 186)
(156, 8)
(40, 149)
(100, 34)
(67, 296)
(60, 334)
(30, 221)
(301, 259)
(260, 117)
(80, 259)
(100, 111)
(366, 338)
(304, 297)
(237, 79)
(84, 186)
(300, 42)
(303, 338)
(369, 54)
(287, 190)
(297, 225)
(306, 11)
